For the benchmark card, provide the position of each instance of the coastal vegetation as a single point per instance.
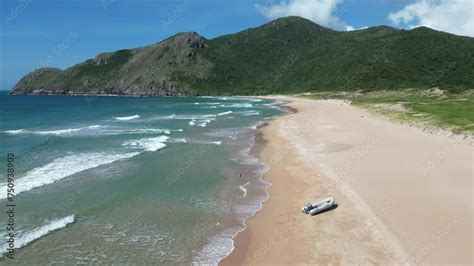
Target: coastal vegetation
(286, 56)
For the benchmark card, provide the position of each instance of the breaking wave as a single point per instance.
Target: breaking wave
(51, 132)
(39, 232)
(61, 168)
(126, 118)
(148, 144)
(95, 130)
(224, 113)
(237, 105)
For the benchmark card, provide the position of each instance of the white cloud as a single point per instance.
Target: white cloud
(319, 11)
(454, 16)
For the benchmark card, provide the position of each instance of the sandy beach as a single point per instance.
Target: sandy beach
(404, 196)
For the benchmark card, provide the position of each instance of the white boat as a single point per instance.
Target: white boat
(319, 206)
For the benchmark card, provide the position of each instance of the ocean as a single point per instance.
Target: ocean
(130, 180)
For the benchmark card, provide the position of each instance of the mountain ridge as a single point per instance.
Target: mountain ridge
(286, 55)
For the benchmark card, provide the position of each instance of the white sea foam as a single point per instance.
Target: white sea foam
(212, 142)
(142, 131)
(202, 124)
(220, 246)
(172, 116)
(148, 144)
(249, 113)
(224, 113)
(245, 157)
(256, 125)
(58, 132)
(192, 141)
(204, 142)
(206, 103)
(25, 239)
(244, 189)
(51, 132)
(63, 167)
(201, 121)
(237, 105)
(95, 130)
(184, 117)
(208, 97)
(126, 118)
(177, 141)
(121, 131)
(15, 132)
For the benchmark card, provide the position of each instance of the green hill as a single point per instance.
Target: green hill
(288, 55)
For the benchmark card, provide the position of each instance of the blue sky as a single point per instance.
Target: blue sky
(60, 33)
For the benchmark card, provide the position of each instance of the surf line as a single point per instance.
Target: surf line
(10, 204)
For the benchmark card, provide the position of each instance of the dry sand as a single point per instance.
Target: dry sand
(405, 196)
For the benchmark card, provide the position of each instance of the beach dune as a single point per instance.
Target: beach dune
(404, 195)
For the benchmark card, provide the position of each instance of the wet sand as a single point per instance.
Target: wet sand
(404, 196)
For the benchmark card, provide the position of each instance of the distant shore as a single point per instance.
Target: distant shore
(405, 196)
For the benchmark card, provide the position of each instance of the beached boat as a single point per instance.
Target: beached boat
(319, 206)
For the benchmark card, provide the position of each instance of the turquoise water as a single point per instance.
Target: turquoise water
(130, 180)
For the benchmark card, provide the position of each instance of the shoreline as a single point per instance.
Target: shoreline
(255, 151)
(360, 230)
